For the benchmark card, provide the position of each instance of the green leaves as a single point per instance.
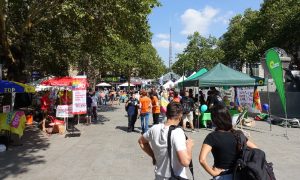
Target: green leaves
(98, 37)
(201, 52)
(249, 35)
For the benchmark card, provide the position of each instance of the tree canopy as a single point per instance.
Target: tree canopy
(201, 52)
(250, 34)
(51, 36)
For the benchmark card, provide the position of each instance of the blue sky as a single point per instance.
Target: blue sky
(209, 17)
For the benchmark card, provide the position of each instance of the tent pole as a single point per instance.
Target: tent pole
(286, 119)
(269, 110)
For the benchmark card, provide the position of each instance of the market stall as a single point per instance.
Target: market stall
(12, 121)
(223, 76)
(72, 101)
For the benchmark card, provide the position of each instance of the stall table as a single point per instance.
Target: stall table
(13, 122)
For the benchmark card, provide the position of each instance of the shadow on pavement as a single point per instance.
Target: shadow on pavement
(106, 108)
(125, 128)
(101, 119)
(72, 130)
(17, 159)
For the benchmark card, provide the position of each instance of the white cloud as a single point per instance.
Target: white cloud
(165, 44)
(200, 21)
(162, 36)
(179, 46)
(225, 19)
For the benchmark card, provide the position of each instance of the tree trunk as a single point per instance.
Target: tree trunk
(3, 34)
(129, 78)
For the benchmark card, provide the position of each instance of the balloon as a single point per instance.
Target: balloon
(266, 107)
(203, 108)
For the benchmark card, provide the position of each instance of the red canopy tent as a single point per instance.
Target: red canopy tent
(61, 81)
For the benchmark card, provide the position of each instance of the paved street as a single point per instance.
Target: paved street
(106, 151)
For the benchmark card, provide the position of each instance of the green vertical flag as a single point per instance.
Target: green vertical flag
(275, 68)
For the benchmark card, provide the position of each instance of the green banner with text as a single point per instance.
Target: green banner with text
(274, 65)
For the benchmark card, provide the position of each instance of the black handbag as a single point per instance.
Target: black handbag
(173, 176)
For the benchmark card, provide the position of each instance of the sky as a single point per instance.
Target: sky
(208, 17)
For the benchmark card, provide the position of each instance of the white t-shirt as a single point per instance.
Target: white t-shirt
(157, 136)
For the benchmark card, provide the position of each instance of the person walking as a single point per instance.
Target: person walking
(155, 143)
(176, 97)
(163, 106)
(94, 107)
(132, 106)
(145, 105)
(188, 110)
(223, 144)
(155, 107)
(89, 102)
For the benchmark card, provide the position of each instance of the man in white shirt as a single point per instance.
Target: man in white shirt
(181, 152)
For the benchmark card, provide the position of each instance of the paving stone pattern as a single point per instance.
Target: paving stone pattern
(105, 150)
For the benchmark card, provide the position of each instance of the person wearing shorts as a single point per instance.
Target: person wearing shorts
(188, 108)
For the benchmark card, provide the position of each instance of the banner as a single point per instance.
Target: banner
(245, 97)
(274, 65)
(256, 101)
(79, 95)
(64, 111)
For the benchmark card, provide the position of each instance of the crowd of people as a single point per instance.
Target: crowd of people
(153, 101)
(166, 142)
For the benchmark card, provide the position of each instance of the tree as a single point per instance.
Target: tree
(250, 34)
(241, 42)
(201, 52)
(52, 35)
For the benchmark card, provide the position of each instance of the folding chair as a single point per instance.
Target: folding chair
(240, 120)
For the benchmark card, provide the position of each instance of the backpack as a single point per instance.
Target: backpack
(186, 107)
(173, 176)
(251, 164)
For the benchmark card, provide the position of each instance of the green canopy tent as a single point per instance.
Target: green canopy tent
(193, 80)
(222, 75)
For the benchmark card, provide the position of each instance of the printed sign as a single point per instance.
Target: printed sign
(6, 109)
(79, 95)
(64, 111)
(245, 97)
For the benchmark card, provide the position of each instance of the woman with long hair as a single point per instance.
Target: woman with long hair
(223, 145)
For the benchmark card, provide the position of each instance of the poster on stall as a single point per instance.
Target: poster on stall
(64, 111)
(245, 97)
(6, 109)
(79, 86)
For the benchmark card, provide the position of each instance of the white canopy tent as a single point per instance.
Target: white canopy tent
(168, 84)
(180, 80)
(192, 74)
(126, 85)
(103, 84)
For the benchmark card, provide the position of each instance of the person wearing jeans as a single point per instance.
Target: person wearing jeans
(132, 106)
(145, 122)
(145, 105)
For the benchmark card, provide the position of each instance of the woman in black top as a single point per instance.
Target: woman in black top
(223, 145)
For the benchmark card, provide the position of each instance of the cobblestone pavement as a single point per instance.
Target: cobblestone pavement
(105, 150)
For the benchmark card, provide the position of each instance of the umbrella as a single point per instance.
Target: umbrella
(103, 84)
(125, 84)
(11, 86)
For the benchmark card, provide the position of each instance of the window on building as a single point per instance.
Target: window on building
(255, 69)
